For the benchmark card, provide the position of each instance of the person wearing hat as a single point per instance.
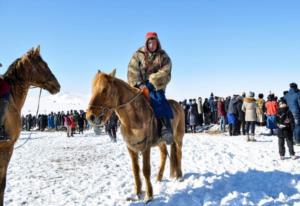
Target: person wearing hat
(4, 99)
(249, 107)
(285, 122)
(150, 70)
(260, 111)
(293, 101)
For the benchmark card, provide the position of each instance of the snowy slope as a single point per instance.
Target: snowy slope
(63, 101)
(88, 170)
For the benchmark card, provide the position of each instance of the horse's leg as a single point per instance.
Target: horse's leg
(147, 174)
(173, 161)
(5, 155)
(163, 157)
(136, 172)
(178, 160)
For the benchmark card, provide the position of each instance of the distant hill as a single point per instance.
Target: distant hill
(62, 101)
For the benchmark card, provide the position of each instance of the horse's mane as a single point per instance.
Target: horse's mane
(11, 74)
(125, 84)
(115, 79)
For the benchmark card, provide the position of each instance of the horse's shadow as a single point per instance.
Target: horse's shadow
(235, 189)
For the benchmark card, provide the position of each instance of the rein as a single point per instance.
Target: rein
(37, 112)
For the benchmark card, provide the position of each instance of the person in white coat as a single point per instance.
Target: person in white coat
(249, 107)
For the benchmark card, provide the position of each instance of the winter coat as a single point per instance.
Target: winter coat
(285, 123)
(293, 100)
(212, 104)
(249, 107)
(260, 106)
(227, 101)
(4, 87)
(155, 67)
(271, 108)
(232, 109)
(221, 108)
(206, 107)
(67, 121)
(241, 113)
(192, 115)
(73, 122)
(200, 107)
(112, 122)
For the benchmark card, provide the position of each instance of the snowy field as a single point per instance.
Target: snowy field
(52, 169)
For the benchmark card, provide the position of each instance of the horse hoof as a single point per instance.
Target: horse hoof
(148, 199)
(179, 179)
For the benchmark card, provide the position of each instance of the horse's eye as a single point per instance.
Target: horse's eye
(104, 91)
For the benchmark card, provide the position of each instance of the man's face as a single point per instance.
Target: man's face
(152, 44)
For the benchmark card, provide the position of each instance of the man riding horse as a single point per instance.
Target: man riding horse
(4, 99)
(150, 70)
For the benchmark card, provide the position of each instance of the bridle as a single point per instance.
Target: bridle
(105, 109)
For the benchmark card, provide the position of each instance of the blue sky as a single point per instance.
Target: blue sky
(221, 46)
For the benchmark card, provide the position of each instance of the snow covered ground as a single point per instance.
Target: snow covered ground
(52, 169)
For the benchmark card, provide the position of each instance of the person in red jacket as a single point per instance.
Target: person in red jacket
(271, 112)
(4, 99)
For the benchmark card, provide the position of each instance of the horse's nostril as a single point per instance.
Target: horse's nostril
(92, 118)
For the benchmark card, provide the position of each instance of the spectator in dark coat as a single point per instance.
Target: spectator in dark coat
(285, 123)
(200, 111)
(185, 107)
(80, 121)
(213, 109)
(232, 115)
(206, 110)
(111, 127)
(293, 100)
(241, 123)
(192, 116)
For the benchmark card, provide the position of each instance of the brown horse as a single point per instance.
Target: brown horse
(29, 70)
(138, 126)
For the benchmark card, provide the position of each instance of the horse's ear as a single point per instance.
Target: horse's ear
(113, 73)
(23, 60)
(37, 50)
(99, 71)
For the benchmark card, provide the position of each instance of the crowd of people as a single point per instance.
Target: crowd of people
(241, 113)
(71, 121)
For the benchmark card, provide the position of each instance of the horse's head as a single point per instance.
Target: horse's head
(31, 68)
(104, 98)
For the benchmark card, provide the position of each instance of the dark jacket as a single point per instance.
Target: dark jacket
(293, 100)
(112, 122)
(286, 120)
(241, 113)
(232, 108)
(206, 107)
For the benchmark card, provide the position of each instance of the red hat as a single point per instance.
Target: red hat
(151, 35)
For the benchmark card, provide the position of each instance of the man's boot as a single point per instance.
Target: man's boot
(166, 131)
(3, 135)
(3, 106)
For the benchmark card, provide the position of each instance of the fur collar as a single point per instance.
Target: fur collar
(249, 99)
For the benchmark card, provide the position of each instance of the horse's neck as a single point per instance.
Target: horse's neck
(19, 93)
(135, 113)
